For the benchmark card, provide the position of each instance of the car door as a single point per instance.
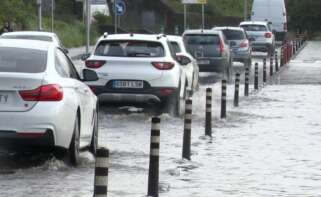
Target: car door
(82, 92)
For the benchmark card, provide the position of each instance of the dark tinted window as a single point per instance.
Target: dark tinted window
(28, 37)
(254, 27)
(234, 34)
(64, 66)
(202, 45)
(176, 47)
(130, 48)
(22, 60)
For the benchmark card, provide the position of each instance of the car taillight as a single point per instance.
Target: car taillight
(221, 46)
(268, 35)
(244, 44)
(95, 63)
(49, 92)
(163, 65)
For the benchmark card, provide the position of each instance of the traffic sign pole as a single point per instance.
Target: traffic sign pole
(115, 16)
(203, 17)
(87, 25)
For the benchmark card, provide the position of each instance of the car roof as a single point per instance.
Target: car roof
(32, 33)
(141, 37)
(202, 31)
(228, 27)
(254, 23)
(174, 37)
(26, 44)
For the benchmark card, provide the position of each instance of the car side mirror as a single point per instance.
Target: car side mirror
(89, 75)
(183, 60)
(85, 56)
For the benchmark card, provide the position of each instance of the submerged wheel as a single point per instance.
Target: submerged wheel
(73, 152)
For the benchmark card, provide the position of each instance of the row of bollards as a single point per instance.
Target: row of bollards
(102, 155)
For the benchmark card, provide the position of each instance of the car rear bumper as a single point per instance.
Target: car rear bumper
(214, 65)
(241, 56)
(261, 47)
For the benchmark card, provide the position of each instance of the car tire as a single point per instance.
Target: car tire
(73, 152)
(94, 139)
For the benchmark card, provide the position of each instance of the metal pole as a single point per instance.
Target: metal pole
(203, 17)
(185, 17)
(115, 16)
(245, 10)
(87, 25)
(52, 14)
(39, 2)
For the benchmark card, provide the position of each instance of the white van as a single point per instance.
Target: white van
(273, 11)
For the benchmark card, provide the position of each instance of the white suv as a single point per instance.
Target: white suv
(260, 35)
(139, 68)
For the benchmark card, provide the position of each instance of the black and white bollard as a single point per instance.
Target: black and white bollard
(271, 65)
(186, 154)
(256, 77)
(237, 90)
(101, 173)
(264, 70)
(247, 81)
(276, 62)
(223, 99)
(153, 175)
(208, 112)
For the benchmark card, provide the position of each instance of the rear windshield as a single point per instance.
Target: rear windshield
(22, 60)
(28, 37)
(130, 48)
(202, 44)
(254, 27)
(234, 34)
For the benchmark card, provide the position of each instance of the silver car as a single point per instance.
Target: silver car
(239, 44)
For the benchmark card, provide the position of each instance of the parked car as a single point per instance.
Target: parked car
(273, 11)
(239, 43)
(139, 68)
(191, 69)
(43, 102)
(260, 35)
(35, 35)
(211, 50)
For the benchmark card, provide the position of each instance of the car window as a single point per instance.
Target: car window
(254, 27)
(28, 37)
(64, 66)
(22, 60)
(234, 34)
(205, 45)
(130, 48)
(176, 47)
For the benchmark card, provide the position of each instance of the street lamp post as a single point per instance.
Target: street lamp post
(39, 4)
(52, 14)
(245, 10)
(87, 25)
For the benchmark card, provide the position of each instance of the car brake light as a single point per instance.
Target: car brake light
(163, 65)
(49, 92)
(268, 35)
(95, 63)
(244, 44)
(221, 46)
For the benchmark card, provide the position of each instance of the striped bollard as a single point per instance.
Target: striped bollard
(153, 175)
(208, 113)
(247, 81)
(223, 99)
(271, 66)
(264, 70)
(256, 77)
(101, 173)
(237, 90)
(276, 62)
(187, 130)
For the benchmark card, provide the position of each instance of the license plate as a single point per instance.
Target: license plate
(203, 62)
(4, 98)
(128, 84)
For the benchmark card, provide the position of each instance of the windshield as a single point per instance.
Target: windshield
(28, 37)
(254, 27)
(234, 34)
(202, 45)
(22, 60)
(130, 48)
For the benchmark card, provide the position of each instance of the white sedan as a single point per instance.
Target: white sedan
(43, 102)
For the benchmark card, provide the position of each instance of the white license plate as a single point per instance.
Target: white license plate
(128, 84)
(203, 62)
(4, 98)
